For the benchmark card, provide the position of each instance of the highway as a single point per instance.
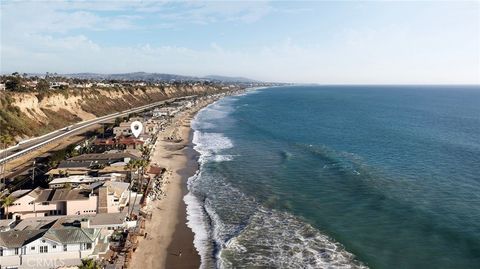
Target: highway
(27, 146)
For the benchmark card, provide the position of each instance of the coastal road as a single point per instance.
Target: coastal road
(30, 145)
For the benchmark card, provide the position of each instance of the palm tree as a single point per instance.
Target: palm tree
(140, 164)
(6, 202)
(89, 264)
(130, 167)
(145, 152)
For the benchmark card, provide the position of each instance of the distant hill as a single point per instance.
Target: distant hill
(140, 76)
(144, 76)
(230, 79)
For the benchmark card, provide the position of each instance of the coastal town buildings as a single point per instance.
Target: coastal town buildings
(93, 195)
(50, 248)
(101, 197)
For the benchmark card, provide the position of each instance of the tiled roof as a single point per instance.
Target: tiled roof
(72, 235)
(16, 239)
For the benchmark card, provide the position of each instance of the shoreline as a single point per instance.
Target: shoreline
(183, 237)
(170, 242)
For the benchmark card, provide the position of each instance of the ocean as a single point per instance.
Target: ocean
(338, 177)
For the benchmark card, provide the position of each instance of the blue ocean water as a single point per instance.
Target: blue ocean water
(339, 177)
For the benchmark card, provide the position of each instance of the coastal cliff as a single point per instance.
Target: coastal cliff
(30, 114)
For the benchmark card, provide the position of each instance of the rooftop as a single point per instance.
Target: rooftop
(102, 156)
(74, 164)
(72, 235)
(50, 195)
(36, 223)
(16, 239)
(78, 179)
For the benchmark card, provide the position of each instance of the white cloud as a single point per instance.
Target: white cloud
(53, 36)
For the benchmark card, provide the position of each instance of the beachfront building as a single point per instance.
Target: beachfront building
(47, 202)
(124, 129)
(99, 197)
(104, 158)
(50, 248)
(120, 143)
(75, 181)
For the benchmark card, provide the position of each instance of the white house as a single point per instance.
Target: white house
(50, 248)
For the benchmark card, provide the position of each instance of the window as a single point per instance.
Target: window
(43, 249)
(16, 251)
(87, 246)
(45, 203)
(64, 247)
(1, 252)
(54, 246)
(32, 248)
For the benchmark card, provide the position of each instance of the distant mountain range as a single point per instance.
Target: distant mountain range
(230, 79)
(143, 76)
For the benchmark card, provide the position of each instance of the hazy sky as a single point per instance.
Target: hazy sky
(317, 42)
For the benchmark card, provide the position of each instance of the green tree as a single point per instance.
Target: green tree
(6, 202)
(89, 264)
(6, 140)
(141, 165)
(13, 83)
(43, 85)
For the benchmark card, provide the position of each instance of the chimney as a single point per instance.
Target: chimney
(85, 223)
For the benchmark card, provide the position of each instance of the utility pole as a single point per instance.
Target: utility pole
(33, 174)
(3, 165)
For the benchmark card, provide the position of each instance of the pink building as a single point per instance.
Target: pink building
(80, 201)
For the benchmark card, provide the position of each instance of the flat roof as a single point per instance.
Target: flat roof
(52, 195)
(78, 179)
(36, 223)
(103, 156)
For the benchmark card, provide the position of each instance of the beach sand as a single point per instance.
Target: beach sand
(169, 242)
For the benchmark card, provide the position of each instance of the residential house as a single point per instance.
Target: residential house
(104, 158)
(50, 248)
(75, 181)
(99, 197)
(118, 143)
(125, 129)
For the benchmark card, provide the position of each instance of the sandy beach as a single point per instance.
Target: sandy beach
(169, 241)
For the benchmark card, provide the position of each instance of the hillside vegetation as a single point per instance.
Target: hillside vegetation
(29, 114)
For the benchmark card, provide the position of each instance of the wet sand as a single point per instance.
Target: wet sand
(169, 242)
(183, 236)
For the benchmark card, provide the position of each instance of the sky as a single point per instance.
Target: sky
(342, 42)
